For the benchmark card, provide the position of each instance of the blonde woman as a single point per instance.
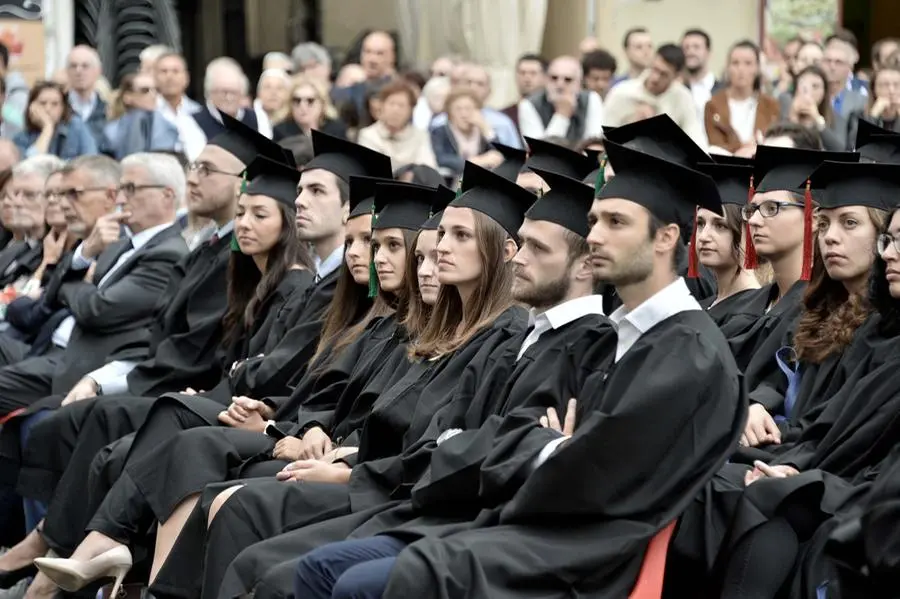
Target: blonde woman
(272, 103)
(311, 108)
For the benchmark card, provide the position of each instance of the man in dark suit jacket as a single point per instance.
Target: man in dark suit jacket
(225, 86)
(105, 300)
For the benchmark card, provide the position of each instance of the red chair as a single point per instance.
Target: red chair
(649, 583)
(11, 415)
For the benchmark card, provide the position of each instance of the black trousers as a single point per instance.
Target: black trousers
(27, 381)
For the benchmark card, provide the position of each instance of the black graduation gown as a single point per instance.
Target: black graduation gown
(380, 490)
(64, 525)
(156, 477)
(847, 441)
(398, 418)
(590, 539)
(735, 313)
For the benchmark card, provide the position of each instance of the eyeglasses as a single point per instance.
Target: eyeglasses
(28, 196)
(80, 65)
(226, 93)
(886, 240)
(299, 101)
(555, 78)
(767, 209)
(144, 90)
(129, 189)
(74, 194)
(204, 170)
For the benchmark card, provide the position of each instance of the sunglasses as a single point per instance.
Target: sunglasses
(556, 78)
(299, 101)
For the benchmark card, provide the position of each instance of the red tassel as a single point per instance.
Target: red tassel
(693, 261)
(806, 273)
(750, 259)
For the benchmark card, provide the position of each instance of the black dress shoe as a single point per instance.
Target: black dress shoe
(8, 579)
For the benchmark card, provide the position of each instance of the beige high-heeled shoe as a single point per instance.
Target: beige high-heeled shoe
(73, 575)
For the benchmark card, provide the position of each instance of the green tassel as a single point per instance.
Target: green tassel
(234, 243)
(601, 176)
(244, 183)
(458, 189)
(373, 276)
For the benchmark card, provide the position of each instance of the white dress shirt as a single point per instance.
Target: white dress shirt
(669, 301)
(531, 125)
(191, 136)
(329, 264)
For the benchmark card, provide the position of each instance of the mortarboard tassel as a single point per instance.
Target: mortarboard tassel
(601, 176)
(373, 275)
(458, 189)
(243, 183)
(750, 259)
(235, 247)
(806, 273)
(693, 261)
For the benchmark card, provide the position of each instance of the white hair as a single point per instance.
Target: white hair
(275, 56)
(42, 165)
(152, 53)
(162, 169)
(227, 66)
(436, 85)
(280, 74)
(309, 52)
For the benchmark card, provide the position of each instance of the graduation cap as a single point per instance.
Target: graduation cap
(245, 143)
(877, 143)
(346, 159)
(667, 189)
(789, 169)
(733, 160)
(734, 182)
(407, 205)
(513, 161)
(362, 194)
(566, 204)
(658, 136)
(495, 196)
(432, 223)
(273, 179)
(857, 184)
(553, 157)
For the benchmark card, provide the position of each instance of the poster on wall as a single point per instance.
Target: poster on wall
(22, 31)
(809, 19)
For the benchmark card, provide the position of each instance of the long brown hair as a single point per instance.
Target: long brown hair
(418, 312)
(450, 327)
(248, 288)
(36, 90)
(830, 314)
(385, 303)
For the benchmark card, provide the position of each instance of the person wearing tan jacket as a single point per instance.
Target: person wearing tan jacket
(737, 116)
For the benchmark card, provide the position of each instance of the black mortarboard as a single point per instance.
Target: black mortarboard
(273, 179)
(788, 169)
(660, 137)
(245, 143)
(407, 205)
(566, 204)
(513, 161)
(346, 159)
(865, 130)
(857, 184)
(432, 223)
(553, 157)
(494, 195)
(877, 144)
(668, 190)
(362, 194)
(733, 180)
(732, 160)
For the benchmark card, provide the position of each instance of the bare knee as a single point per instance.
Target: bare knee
(219, 501)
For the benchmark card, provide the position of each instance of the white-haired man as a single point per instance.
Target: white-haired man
(225, 87)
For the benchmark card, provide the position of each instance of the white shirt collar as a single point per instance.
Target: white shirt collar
(218, 116)
(139, 240)
(667, 302)
(569, 311)
(225, 229)
(84, 108)
(330, 263)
